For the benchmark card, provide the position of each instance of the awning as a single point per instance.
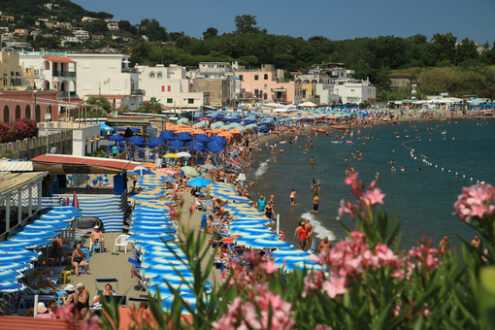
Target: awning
(63, 164)
(59, 59)
(282, 90)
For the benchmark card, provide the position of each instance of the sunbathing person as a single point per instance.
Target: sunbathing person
(107, 291)
(38, 281)
(78, 257)
(97, 237)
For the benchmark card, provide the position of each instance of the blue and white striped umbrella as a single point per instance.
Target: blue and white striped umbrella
(11, 287)
(18, 267)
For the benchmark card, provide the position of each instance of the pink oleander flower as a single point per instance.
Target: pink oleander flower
(351, 180)
(334, 286)
(373, 197)
(425, 255)
(322, 327)
(476, 201)
(255, 314)
(269, 267)
(345, 208)
(65, 312)
(386, 256)
(312, 281)
(91, 323)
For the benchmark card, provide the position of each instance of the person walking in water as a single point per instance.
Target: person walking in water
(300, 235)
(292, 197)
(312, 161)
(316, 203)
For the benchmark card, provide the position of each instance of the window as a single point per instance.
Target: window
(265, 96)
(163, 88)
(304, 93)
(266, 86)
(17, 112)
(170, 101)
(256, 77)
(152, 75)
(159, 75)
(27, 112)
(6, 114)
(47, 65)
(190, 101)
(37, 113)
(241, 77)
(265, 76)
(169, 88)
(256, 93)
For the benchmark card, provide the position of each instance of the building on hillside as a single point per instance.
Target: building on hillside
(81, 34)
(112, 25)
(88, 19)
(17, 44)
(38, 105)
(218, 81)
(7, 19)
(268, 84)
(170, 86)
(108, 75)
(21, 32)
(397, 81)
(51, 71)
(333, 83)
(12, 75)
(97, 37)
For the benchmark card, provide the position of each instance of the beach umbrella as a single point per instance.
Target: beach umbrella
(168, 179)
(155, 141)
(214, 147)
(217, 124)
(183, 154)
(196, 146)
(184, 136)
(199, 182)
(202, 138)
(208, 166)
(75, 201)
(190, 171)
(135, 130)
(139, 170)
(11, 287)
(116, 137)
(183, 120)
(176, 144)
(170, 155)
(150, 165)
(218, 139)
(137, 140)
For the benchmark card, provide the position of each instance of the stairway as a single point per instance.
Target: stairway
(109, 208)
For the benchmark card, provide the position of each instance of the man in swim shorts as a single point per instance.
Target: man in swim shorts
(292, 197)
(300, 236)
(316, 202)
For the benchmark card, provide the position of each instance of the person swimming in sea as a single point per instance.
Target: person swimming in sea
(314, 186)
(312, 161)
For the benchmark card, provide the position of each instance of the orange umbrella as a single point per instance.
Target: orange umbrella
(150, 165)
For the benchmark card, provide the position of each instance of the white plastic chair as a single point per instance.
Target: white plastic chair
(121, 241)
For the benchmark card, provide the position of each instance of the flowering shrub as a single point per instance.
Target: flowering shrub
(21, 129)
(366, 281)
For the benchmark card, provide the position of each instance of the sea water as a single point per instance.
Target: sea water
(432, 161)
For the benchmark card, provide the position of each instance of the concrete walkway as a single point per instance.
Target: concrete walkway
(108, 265)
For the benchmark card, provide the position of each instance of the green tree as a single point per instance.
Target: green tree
(246, 23)
(466, 50)
(443, 47)
(153, 30)
(210, 33)
(152, 106)
(101, 103)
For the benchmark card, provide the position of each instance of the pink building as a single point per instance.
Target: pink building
(268, 84)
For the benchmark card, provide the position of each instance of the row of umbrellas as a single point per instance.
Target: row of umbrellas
(18, 253)
(249, 228)
(154, 234)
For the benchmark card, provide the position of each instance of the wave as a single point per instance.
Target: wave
(262, 168)
(318, 229)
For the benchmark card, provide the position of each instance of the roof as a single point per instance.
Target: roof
(107, 96)
(59, 59)
(55, 163)
(11, 181)
(22, 322)
(6, 166)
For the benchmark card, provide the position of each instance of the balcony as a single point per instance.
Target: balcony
(63, 74)
(65, 95)
(138, 92)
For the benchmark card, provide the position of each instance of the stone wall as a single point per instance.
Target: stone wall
(29, 148)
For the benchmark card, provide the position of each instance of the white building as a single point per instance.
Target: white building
(108, 75)
(52, 71)
(81, 34)
(170, 86)
(222, 71)
(335, 84)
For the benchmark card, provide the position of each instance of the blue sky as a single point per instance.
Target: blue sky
(335, 19)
